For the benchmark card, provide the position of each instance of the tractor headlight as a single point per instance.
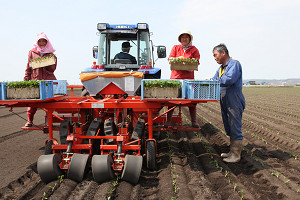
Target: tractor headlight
(142, 26)
(101, 26)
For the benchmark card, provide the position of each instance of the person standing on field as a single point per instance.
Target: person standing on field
(232, 100)
(186, 50)
(42, 48)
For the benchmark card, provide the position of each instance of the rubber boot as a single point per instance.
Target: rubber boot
(236, 147)
(225, 155)
(193, 116)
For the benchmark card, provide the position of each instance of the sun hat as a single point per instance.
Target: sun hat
(185, 32)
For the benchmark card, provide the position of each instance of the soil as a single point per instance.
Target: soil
(188, 163)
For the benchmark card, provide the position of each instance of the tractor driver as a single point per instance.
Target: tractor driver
(125, 53)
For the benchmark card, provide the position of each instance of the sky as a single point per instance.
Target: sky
(264, 35)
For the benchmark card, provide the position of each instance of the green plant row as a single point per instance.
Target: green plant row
(172, 166)
(24, 84)
(40, 59)
(183, 60)
(115, 183)
(162, 83)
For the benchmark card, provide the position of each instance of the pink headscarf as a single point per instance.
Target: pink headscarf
(48, 48)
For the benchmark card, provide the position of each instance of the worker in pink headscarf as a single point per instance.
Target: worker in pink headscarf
(42, 48)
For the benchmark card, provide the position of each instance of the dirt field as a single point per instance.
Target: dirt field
(189, 166)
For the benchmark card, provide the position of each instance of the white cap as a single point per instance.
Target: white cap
(185, 32)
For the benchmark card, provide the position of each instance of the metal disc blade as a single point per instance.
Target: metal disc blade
(132, 168)
(102, 168)
(48, 168)
(78, 167)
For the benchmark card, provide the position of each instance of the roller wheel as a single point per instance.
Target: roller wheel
(132, 168)
(102, 168)
(48, 168)
(65, 129)
(48, 147)
(151, 155)
(78, 167)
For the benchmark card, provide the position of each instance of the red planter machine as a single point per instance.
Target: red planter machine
(112, 134)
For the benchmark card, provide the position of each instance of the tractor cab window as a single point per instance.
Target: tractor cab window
(110, 45)
(116, 48)
(144, 52)
(102, 50)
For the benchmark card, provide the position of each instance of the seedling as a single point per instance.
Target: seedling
(61, 178)
(276, 174)
(24, 84)
(52, 187)
(286, 180)
(234, 186)
(44, 196)
(183, 60)
(40, 59)
(162, 83)
(242, 195)
(226, 173)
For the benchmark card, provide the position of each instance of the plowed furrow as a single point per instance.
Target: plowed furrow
(287, 144)
(290, 131)
(273, 113)
(196, 174)
(23, 187)
(275, 108)
(255, 138)
(246, 172)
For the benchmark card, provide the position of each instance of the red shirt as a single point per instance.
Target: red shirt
(191, 52)
(44, 73)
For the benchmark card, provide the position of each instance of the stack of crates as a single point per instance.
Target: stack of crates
(203, 90)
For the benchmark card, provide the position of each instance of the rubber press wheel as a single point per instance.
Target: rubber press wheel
(132, 168)
(48, 147)
(48, 168)
(102, 168)
(78, 167)
(151, 155)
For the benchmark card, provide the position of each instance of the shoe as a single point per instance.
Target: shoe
(236, 148)
(28, 124)
(195, 125)
(226, 155)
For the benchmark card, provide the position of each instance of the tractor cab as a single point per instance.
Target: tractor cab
(111, 38)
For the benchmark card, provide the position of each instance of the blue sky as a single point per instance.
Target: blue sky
(263, 35)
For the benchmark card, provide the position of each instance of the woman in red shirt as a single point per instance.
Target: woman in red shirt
(42, 48)
(187, 50)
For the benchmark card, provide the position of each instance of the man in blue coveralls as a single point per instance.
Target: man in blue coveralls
(125, 53)
(232, 100)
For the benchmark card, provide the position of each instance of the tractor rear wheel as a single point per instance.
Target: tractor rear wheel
(151, 155)
(78, 167)
(132, 168)
(102, 168)
(47, 167)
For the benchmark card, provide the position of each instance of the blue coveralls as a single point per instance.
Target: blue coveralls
(232, 100)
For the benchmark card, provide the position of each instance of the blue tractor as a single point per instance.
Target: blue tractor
(141, 48)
